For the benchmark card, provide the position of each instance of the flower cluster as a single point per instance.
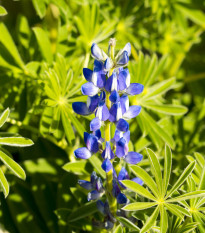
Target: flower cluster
(108, 89)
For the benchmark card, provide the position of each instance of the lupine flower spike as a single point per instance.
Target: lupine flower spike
(108, 89)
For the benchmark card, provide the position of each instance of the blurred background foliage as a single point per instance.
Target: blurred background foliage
(44, 44)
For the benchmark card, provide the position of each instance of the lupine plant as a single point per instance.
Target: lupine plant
(112, 131)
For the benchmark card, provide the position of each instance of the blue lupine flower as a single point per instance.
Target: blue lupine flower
(105, 210)
(91, 142)
(121, 141)
(123, 175)
(107, 154)
(95, 184)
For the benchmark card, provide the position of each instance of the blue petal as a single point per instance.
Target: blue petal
(86, 135)
(123, 59)
(124, 79)
(108, 64)
(133, 157)
(81, 108)
(121, 148)
(135, 89)
(121, 198)
(93, 195)
(99, 79)
(102, 97)
(92, 143)
(122, 125)
(127, 48)
(108, 153)
(106, 165)
(123, 174)
(132, 112)
(89, 89)
(95, 124)
(98, 134)
(118, 135)
(102, 112)
(109, 225)
(124, 101)
(99, 185)
(92, 102)
(114, 97)
(98, 66)
(93, 179)
(100, 206)
(85, 184)
(98, 53)
(115, 112)
(115, 188)
(82, 153)
(112, 83)
(88, 74)
(138, 180)
(126, 136)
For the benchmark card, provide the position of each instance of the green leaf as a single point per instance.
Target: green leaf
(150, 221)
(118, 229)
(78, 167)
(194, 194)
(82, 212)
(142, 174)
(4, 117)
(44, 44)
(127, 223)
(67, 125)
(156, 169)
(202, 180)
(179, 209)
(40, 7)
(16, 141)
(156, 129)
(182, 178)
(167, 109)
(10, 46)
(159, 88)
(139, 206)
(138, 189)
(63, 214)
(163, 220)
(4, 184)
(167, 168)
(2, 11)
(79, 127)
(96, 163)
(195, 15)
(150, 70)
(174, 210)
(12, 165)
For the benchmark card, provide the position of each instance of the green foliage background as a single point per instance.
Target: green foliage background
(44, 44)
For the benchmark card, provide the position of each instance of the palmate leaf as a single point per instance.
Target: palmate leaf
(147, 71)
(61, 87)
(162, 201)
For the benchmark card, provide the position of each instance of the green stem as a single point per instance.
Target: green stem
(109, 175)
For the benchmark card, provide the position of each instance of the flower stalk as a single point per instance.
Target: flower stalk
(107, 89)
